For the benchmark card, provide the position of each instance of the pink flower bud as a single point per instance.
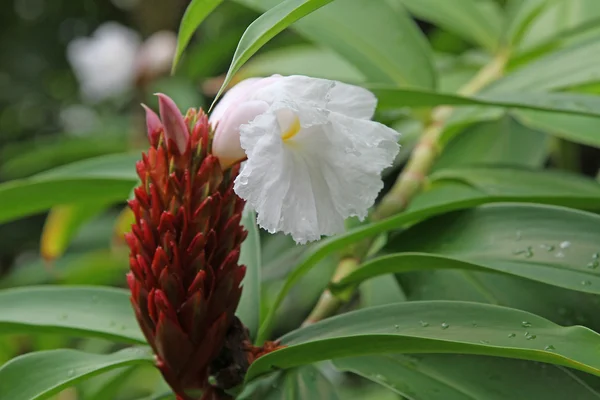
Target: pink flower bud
(153, 124)
(236, 109)
(226, 145)
(175, 128)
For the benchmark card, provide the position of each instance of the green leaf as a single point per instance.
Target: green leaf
(40, 375)
(557, 246)
(555, 71)
(304, 383)
(108, 385)
(195, 13)
(379, 291)
(106, 179)
(249, 307)
(264, 28)
(388, 47)
(84, 310)
(520, 17)
(23, 159)
(474, 20)
(460, 377)
(502, 142)
(575, 128)
(436, 327)
(62, 224)
(560, 22)
(302, 60)
(566, 190)
(569, 103)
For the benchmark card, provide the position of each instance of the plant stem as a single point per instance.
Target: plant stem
(408, 184)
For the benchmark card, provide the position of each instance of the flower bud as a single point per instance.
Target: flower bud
(175, 127)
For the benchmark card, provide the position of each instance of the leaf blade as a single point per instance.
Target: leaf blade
(39, 375)
(379, 330)
(79, 310)
(194, 14)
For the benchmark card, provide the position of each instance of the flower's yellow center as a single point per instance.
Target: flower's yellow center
(292, 130)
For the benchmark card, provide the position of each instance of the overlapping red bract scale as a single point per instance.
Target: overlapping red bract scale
(185, 277)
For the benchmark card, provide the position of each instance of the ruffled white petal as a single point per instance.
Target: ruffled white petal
(313, 156)
(352, 101)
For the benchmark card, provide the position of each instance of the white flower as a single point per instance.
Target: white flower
(314, 157)
(104, 63)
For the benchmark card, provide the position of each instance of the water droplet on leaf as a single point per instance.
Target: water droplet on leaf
(547, 247)
(549, 347)
(565, 245)
(424, 324)
(512, 335)
(593, 264)
(445, 325)
(586, 283)
(525, 324)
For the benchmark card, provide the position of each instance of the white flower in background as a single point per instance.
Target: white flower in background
(155, 56)
(105, 63)
(314, 157)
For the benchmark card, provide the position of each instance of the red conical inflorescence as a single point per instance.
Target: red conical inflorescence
(184, 248)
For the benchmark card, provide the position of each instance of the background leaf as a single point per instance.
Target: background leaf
(90, 311)
(388, 47)
(460, 377)
(436, 327)
(39, 375)
(474, 20)
(195, 13)
(249, 307)
(265, 27)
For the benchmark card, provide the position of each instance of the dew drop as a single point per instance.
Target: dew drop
(547, 247)
(380, 378)
(397, 327)
(512, 335)
(243, 179)
(526, 324)
(529, 336)
(71, 373)
(474, 324)
(424, 324)
(484, 341)
(549, 347)
(560, 254)
(445, 325)
(593, 264)
(565, 245)
(596, 256)
(586, 283)
(528, 252)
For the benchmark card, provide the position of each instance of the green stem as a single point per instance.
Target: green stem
(409, 183)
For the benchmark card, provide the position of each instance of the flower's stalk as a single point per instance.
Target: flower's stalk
(408, 185)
